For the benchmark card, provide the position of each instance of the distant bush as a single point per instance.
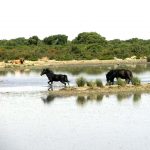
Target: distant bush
(33, 40)
(148, 59)
(136, 81)
(5, 61)
(121, 82)
(89, 38)
(81, 82)
(75, 49)
(86, 46)
(99, 83)
(56, 40)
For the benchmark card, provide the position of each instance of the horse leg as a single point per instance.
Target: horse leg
(63, 83)
(112, 82)
(51, 87)
(49, 82)
(127, 81)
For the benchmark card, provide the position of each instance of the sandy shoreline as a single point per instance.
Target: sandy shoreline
(45, 63)
(113, 89)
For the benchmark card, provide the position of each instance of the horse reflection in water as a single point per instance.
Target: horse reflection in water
(54, 77)
(48, 99)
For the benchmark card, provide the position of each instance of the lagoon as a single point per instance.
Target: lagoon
(33, 119)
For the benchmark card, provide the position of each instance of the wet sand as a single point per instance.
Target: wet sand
(46, 63)
(112, 89)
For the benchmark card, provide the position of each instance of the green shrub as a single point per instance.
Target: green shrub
(90, 83)
(5, 61)
(136, 81)
(80, 82)
(121, 82)
(148, 59)
(75, 49)
(99, 83)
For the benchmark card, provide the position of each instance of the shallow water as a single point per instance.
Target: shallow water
(33, 119)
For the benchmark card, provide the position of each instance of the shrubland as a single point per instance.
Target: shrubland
(86, 46)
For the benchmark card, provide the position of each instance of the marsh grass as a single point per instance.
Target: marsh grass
(148, 59)
(81, 82)
(136, 81)
(121, 82)
(99, 83)
(90, 84)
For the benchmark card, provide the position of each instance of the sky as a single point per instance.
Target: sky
(113, 19)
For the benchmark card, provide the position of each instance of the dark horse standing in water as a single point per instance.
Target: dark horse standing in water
(119, 73)
(54, 77)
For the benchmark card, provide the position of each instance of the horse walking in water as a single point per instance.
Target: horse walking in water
(119, 73)
(54, 77)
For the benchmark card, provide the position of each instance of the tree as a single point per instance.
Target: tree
(33, 40)
(89, 38)
(56, 40)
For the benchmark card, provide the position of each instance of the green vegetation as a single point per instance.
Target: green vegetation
(80, 82)
(148, 59)
(90, 84)
(99, 83)
(87, 45)
(121, 82)
(136, 81)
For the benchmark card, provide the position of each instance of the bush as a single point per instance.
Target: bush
(148, 59)
(5, 61)
(56, 40)
(136, 81)
(89, 38)
(75, 49)
(90, 84)
(99, 83)
(121, 82)
(80, 82)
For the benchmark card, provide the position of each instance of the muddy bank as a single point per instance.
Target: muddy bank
(46, 63)
(113, 89)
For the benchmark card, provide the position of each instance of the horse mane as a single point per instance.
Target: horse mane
(50, 71)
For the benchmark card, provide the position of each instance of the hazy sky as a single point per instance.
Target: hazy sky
(113, 19)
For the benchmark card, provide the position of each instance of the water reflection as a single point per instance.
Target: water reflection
(122, 96)
(78, 69)
(137, 97)
(82, 100)
(49, 99)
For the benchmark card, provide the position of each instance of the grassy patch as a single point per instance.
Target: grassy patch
(90, 84)
(99, 83)
(81, 82)
(121, 82)
(136, 81)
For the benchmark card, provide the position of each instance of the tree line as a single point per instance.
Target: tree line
(87, 45)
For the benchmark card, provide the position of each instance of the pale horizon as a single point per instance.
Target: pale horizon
(111, 19)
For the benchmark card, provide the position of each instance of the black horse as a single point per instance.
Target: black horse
(119, 73)
(54, 77)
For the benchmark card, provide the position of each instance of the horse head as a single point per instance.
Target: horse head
(46, 71)
(110, 76)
